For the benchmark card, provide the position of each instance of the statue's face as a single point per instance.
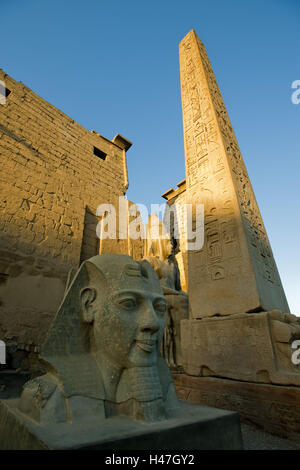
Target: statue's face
(128, 327)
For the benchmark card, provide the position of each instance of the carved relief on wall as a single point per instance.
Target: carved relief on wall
(217, 272)
(214, 249)
(230, 239)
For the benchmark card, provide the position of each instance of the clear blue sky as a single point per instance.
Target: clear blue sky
(113, 66)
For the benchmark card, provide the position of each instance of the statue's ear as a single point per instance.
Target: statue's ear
(87, 297)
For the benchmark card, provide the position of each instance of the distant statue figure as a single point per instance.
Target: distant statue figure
(167, 271)
(161, 255)
(177, 310)
(102, 352)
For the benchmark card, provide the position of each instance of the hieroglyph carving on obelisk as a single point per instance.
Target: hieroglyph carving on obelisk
(235, 270)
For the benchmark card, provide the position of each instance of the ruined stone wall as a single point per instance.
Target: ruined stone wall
(51, 183)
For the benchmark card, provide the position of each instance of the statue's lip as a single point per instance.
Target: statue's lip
(146, 344)
(146, 341)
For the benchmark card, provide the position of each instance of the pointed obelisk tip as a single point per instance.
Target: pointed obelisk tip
(192, 32)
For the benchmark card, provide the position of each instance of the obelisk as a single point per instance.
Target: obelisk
(235, 270)
(237, 345)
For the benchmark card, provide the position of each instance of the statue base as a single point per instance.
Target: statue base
(196, 428)
(250, 347)
(273, 408)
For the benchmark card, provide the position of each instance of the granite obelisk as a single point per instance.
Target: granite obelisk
(235, 270)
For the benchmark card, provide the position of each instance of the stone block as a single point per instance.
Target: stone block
(252, 347)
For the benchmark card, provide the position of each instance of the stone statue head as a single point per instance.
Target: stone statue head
(104, 343)
(124, 305)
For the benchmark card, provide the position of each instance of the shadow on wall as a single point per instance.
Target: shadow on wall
(90, 242)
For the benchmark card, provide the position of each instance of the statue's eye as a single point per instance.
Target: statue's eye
(160, 307)
(127, 304)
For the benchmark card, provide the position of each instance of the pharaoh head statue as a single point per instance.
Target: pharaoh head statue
(104, 343)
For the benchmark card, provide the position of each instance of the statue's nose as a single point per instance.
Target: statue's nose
(149, 321)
